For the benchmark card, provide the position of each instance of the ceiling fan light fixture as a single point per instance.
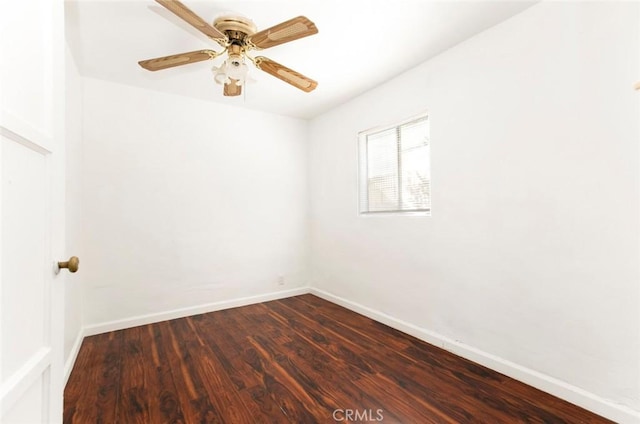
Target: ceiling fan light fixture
(232, 69)
(220, 74)
(237, 69)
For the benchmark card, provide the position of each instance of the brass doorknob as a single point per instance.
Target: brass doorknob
(72, 264)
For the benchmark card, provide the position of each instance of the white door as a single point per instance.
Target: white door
(31, 210)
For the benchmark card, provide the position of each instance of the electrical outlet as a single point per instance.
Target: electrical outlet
(280, 280)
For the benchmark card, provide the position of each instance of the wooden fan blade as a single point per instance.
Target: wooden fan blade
(283, 33)
(177, 60)
(285, 74)
(187, 15)
(232, 89)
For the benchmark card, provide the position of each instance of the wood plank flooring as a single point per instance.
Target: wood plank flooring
(297, 360)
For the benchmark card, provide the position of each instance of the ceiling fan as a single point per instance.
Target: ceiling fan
(237, 35)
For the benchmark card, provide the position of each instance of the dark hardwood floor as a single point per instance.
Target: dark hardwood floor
(298, 360)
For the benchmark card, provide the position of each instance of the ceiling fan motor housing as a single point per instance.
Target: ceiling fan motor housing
(236, 27)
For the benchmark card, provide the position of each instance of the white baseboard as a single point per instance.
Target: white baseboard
(191, 310)
(73, 355)
(618, 413)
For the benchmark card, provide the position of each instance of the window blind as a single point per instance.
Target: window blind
(395, 168)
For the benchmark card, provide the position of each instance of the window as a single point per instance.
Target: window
(395, 168)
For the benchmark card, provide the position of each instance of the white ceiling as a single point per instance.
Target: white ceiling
(360, 44)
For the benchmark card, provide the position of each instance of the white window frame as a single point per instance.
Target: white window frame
(362, 170)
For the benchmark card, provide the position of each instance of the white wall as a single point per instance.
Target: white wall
(187, 202)
(73, 204)
(531, 254)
